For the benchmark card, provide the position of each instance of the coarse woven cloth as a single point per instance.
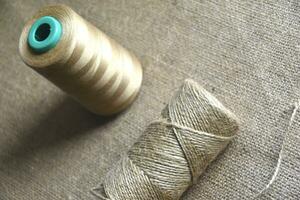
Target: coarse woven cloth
(246, 53)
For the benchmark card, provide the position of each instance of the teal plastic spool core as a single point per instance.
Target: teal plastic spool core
(44, 34)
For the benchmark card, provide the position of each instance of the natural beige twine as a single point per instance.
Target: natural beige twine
(173, 151)
(86, 63)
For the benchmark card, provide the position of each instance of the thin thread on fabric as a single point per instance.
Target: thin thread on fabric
(174, 150)
(281, 152)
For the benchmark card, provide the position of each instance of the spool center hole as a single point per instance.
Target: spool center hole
(42, 32)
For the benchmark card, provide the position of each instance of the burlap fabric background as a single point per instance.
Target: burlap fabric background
(245, 52)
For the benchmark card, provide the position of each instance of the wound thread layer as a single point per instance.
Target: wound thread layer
(85, 63)
(173, 151)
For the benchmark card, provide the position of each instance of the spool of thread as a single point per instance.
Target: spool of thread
(173, 151)
(81, 60)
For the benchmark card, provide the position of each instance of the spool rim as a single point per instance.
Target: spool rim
(44, 34)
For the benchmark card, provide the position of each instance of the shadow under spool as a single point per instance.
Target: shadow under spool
(81, 60)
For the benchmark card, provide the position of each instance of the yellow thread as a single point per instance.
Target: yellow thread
(86, 63)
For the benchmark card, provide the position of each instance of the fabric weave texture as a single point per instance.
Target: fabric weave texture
(246, 53)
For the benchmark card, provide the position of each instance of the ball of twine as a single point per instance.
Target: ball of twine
(173, 151)
(86, 63)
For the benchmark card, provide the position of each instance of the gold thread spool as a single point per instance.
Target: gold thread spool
(85, 63)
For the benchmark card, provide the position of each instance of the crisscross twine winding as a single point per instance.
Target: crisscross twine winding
(173, 151)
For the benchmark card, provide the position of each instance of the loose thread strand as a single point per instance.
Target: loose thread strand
(281, 152)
